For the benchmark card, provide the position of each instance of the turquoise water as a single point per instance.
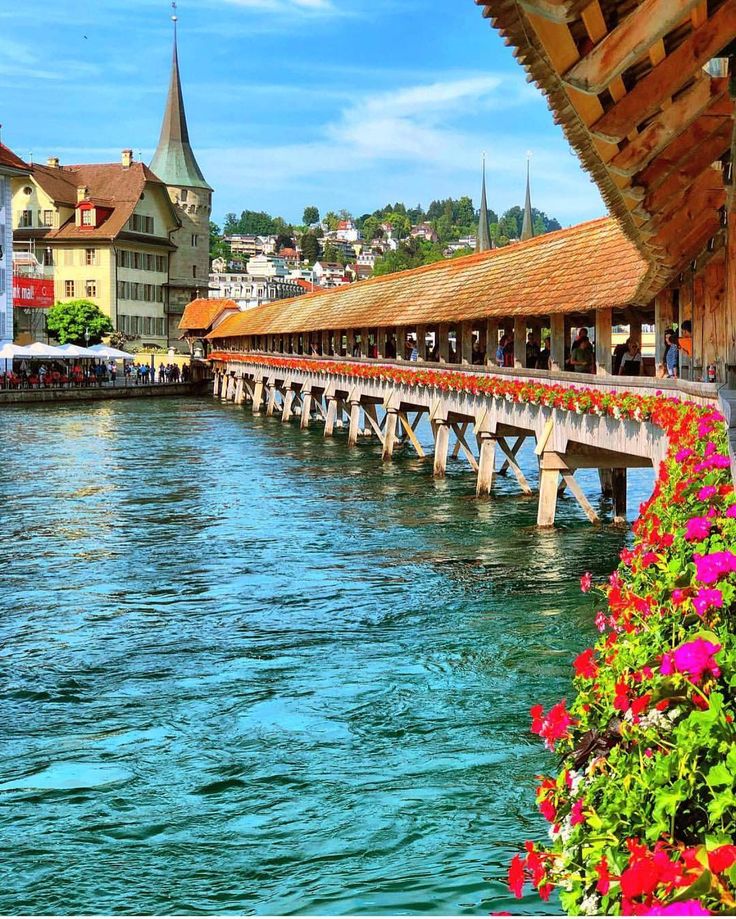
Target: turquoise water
(248, 670)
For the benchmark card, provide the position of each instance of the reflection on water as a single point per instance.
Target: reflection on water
(248, 670)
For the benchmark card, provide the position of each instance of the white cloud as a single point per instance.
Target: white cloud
(411, 143)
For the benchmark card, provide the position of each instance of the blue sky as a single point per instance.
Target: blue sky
(338, 103)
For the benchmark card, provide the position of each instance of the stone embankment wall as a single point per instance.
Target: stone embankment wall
(94, 394)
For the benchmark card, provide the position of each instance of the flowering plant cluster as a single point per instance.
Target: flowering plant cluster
(642, 812)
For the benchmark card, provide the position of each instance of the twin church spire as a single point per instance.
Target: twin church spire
(484, 242)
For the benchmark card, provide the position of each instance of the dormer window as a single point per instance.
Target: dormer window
(89, 217)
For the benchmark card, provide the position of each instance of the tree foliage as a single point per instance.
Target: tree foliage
(311, 215)
(68, 321)
(310, 248)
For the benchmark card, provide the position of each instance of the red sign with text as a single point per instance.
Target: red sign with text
(33, 293)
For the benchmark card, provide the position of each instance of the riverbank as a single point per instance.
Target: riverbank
(95, 394)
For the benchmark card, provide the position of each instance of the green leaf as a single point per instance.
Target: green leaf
(719, 775)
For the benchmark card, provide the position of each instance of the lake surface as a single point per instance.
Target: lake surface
(245, 669)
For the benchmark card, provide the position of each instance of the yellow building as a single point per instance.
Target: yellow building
(133, 239)
(105, 229)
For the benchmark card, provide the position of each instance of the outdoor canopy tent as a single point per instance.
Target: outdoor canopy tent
(77, 351)
(107, 351)
(39, 350)
(10, 352)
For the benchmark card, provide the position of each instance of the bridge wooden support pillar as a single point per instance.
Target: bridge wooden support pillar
(271, 406)
(330, 416)
(217, 379)
(230, 389)
(547, 509)
(257, 396)
(288, 402)
(354, 429)
(519, 341)
(606, 477)
(443, 334)
(441, 429)
(619, 495)
(239, 397)
(389, 434)
(486, 463)
(306, 407)
(557, 343)
(603, 351)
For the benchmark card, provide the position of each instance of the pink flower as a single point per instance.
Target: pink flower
(707, 492)
(586, 582)
(686, 908)
(683, 454)
(695, 659)
(706, 599)
(678, 596)
(698, 528)
(711, 568)
(576, 814)
(600, 621)
(731, 512)
(553, 726)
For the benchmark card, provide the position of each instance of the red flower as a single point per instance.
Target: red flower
(604, 878)
(586, 582)
(585, 665)
(516, 877)
(721, 859)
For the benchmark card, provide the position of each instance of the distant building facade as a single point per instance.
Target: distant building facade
(105, 231)
(248, 290)
(11, 168)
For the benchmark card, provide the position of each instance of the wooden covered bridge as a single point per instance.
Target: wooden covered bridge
(641, 90)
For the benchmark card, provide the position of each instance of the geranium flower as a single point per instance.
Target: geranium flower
(586, 582)
(711, 568)
(707, 492)
(706, 599)
(697, 529)
(722, 858)
(585, 665)
(553, 726)
(694, 659)
(576, 814)
(604, 877)
(516, 877)
(685, 908)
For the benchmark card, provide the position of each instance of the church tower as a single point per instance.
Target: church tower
(527, 227)
(483, 242)
(175, 164)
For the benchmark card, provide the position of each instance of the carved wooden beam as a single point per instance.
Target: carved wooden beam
(669, 76)
(642, 28)
(687, 216)
(686, 173)
(669, 124)
(681, 149)
(705, 192)
(693, 244)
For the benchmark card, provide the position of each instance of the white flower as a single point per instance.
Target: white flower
(590, 905)
(566, 829)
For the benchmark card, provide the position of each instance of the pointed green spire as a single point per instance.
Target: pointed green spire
(174, 161)
(527, 227)
(483, 242)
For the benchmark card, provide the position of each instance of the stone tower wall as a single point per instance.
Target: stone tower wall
(193, 207)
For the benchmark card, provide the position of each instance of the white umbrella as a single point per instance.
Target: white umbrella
(107, 351)
(77, 351)
(39, 349)
(9, 352)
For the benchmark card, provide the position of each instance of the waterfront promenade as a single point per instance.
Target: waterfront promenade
(94, 393)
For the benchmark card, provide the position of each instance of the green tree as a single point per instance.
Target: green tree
(68, 321)
(332, 220)
(310, 248)
(311, 215)
(371, 228)
(231, 224)
(218, 247)
(332, 254)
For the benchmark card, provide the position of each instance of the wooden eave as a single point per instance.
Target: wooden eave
(627, 84)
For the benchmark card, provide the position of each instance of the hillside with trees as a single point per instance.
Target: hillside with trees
(451, 219)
